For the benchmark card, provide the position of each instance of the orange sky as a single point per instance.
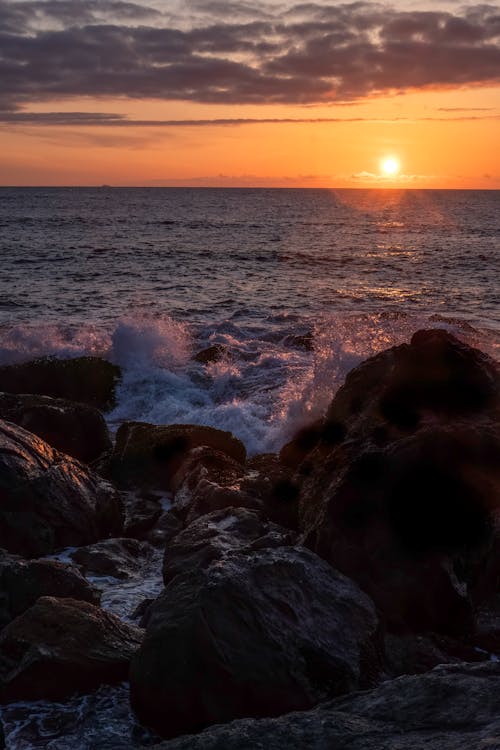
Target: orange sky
(445, 135)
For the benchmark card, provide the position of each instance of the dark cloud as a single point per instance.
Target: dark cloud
(53, 49)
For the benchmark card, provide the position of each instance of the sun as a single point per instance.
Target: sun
(389, 166)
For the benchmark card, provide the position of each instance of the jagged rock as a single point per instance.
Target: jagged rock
(415, 653)
(89, 380)
(148, 456)
(49, 501)
(253, 634)
(217, 535)
(165, 528)
(275, 487)
(487, 631)
(454, 707)
(401, 480)
(23, 582)
(208, 480)
(76, 429)
(120, 558)
(62, 646)
(142, 512)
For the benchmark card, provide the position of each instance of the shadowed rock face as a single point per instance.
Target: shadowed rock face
(22, 582)
(76, 429)
(62, 646)
(147, 455)
(86, 379)
(402, 500)
(49, 500)
(120, 558)
(255, 634)
(450, 708)
(218, 535)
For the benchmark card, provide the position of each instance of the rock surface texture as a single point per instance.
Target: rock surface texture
(401, 482)
(23, 582)
(76, 429)
(251, 635)
(147, 455)
(61, 646)
(48, 500)
(218, 535)
(450, 708)
(89, 380)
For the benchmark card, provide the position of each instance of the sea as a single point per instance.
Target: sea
(297, 286)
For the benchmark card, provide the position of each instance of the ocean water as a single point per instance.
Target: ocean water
(148, 277)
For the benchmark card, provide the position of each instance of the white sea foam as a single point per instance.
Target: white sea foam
(262, 390)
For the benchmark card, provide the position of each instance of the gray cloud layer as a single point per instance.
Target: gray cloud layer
(310, 53)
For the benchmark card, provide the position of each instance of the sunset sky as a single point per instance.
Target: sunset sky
(207, 92)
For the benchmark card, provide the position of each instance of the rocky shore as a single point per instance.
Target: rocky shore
(344, 593)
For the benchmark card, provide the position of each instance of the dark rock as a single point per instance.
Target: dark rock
(72, 428)
(294, 452)
(165, 528)
(251, 635)
(217, 535)
(211, 354)
(400, 482)
(411, 524)
(455, 707)
(148, 456)
(119, 558)
(23, 582)
(276, 488)
(86, 379)
(48, 500)
(412, 653)
(208, 480)
(61, 646)
(141, 514)
(487, 632)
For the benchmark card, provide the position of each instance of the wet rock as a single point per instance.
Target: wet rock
(148, 455)
(23, 582)
(208, 480)
(165, 528)
(142, 511)
(217, 535)
(119, 558)
(211, 354)
(400, 482)
(412, 653)
(255, 634)
(411, 524)
(276, 488)
(72, 428)
(89, 380)
(61, 646)
(455, 707)
(49, 501)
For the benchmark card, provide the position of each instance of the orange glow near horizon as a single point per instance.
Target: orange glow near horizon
(439, 139)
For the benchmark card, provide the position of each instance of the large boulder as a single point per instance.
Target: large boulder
(119, 558)
(147, 455)
(76, 429)
(400, 486)
(218, 535)
(61, 646)
(251, 635)
(89, 380)
(23, 582)
(48, 500)
(450, 708)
